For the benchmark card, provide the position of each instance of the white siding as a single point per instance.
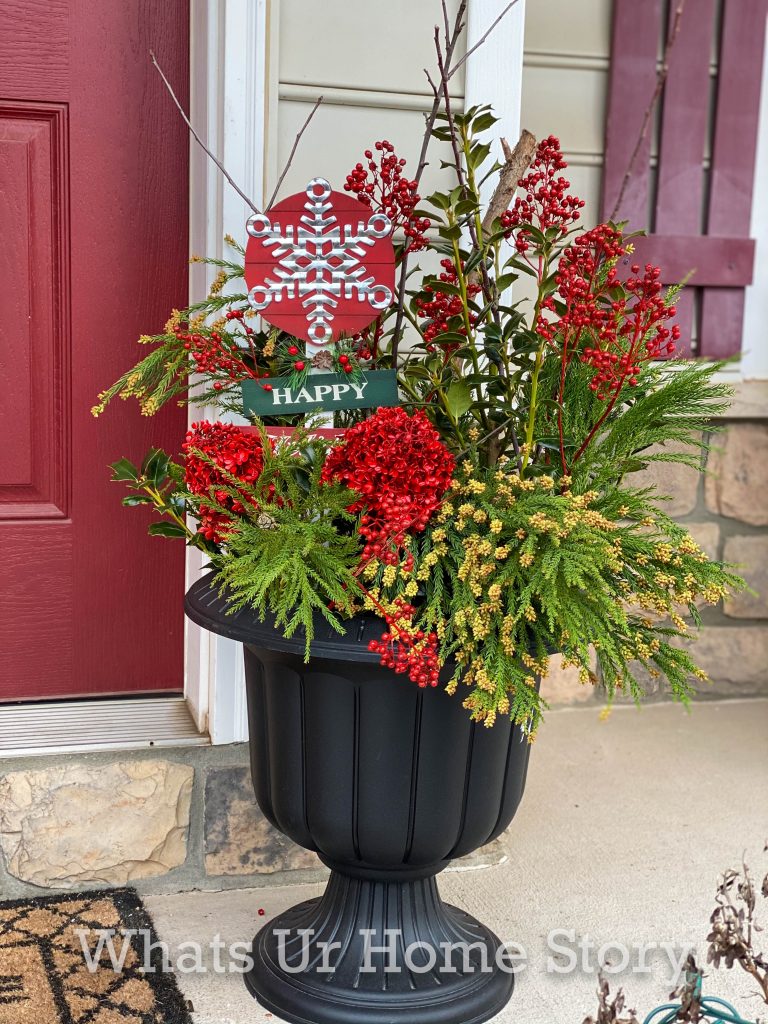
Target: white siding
(565, 86)
(369, 66)
(367, 60)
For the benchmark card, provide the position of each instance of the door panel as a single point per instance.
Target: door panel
(93, 222)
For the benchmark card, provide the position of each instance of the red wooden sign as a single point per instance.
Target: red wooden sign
(319, 265)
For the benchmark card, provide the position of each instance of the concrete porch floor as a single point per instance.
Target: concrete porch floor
(623, 830)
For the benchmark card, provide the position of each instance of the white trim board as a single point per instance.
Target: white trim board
(229, 54)
(754, 358)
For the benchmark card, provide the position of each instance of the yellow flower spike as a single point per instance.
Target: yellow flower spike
(218, 283)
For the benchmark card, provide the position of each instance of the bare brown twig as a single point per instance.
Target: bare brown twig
(294, 147)
(660, 80)
(452, 36)
(198, 140)
(429, 124)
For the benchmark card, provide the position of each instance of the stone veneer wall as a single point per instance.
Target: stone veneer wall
(161, 820)
(179, 819)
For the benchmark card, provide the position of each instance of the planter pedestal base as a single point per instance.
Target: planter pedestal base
(439, 965)
(387, 782)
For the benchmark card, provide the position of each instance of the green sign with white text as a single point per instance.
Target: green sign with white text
(321, 392)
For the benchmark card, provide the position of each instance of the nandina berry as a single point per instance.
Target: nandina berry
(299, 365)
(384, 187)
(439, 309)
(293, 350)
(545, 202)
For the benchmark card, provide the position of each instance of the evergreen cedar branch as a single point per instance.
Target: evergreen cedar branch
(493, 519)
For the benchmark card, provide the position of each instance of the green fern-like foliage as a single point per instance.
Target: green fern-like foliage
(663, 420)
(292, 552)
(515, 570)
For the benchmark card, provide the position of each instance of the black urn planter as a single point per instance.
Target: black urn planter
(387, 783)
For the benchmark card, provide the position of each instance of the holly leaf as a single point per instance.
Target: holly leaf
(124, 469)
(155, 467)
(458, 398)
(167, 530)
(137, 499)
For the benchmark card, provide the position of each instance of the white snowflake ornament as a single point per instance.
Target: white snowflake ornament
(319, 264)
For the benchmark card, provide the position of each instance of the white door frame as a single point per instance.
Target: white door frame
(234, 54)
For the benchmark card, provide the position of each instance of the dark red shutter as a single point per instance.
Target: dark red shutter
(698, 219)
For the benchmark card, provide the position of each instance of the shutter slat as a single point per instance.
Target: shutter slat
(719, 262)
(680, 242)
(733, 162)
(635, 40)
(680, 186)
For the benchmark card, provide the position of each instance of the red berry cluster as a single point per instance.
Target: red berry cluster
(407, 649)
(383, 186)
(585, 276)
(215, 354)
(365, 344)
(642, 334)
(438, 308)
(234, 450)
(612, 327)
(400, 468)
(210, 354)
(546, 202)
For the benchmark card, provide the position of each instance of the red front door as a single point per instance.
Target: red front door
(93, 250)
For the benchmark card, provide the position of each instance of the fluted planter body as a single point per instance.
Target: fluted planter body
(387, 783)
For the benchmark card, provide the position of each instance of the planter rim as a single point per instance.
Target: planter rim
(205, 606)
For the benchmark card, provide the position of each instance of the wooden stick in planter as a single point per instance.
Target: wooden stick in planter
(516, 162)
